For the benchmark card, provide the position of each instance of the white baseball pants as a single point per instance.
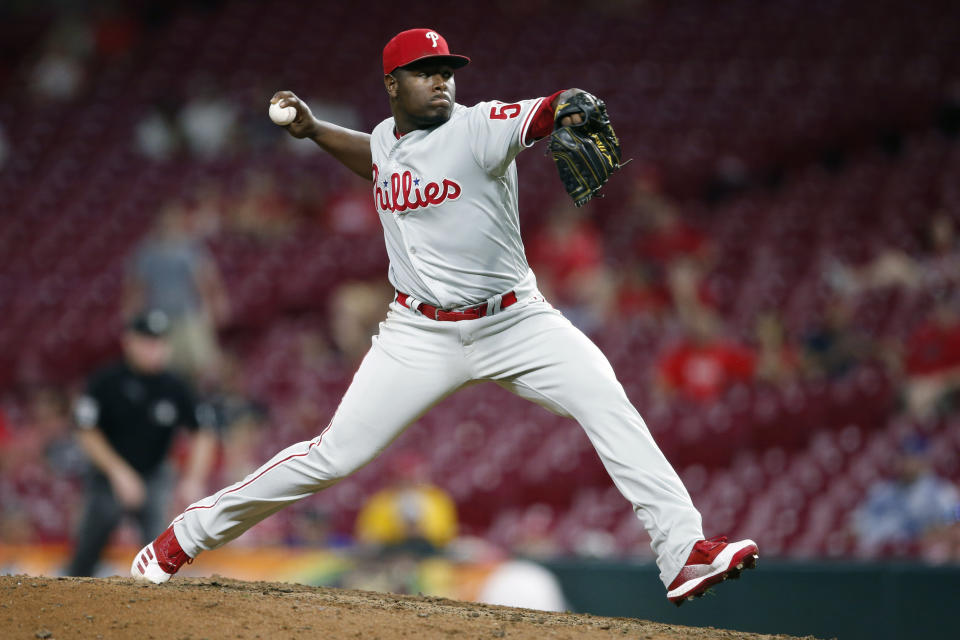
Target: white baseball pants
(414, 362)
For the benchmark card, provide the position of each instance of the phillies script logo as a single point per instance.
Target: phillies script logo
(402, 192)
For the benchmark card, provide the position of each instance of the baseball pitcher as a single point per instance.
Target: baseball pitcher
(467, 308)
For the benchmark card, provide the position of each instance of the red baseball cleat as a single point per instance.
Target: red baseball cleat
(160, 559)
(712, 561)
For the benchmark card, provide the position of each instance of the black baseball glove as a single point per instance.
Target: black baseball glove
(585, 153)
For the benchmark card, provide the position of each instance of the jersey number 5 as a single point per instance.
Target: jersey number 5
(504, 111)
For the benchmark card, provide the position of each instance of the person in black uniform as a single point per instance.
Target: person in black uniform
(126, 422)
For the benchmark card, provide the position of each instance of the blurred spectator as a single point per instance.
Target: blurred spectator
(835, 345)
(60, 70)
(689, 290)
(937, 267)
(57, 75)
(126, 422)
(172, 271)
(891, 268)
(567, 256)
(316, 354)
(777, 361)
(665, 236)
(940, 268)
(932, 360)
(47, 436)
(356, 310)
(704, 365)
(45, 429)
(239, 419)
(40, 463)
(677, 252)
(638, 294)
(260, 210)
(157, 135)
(411, 512)
(206, 211)
(904, 510)
(208, 121)
(242, 441)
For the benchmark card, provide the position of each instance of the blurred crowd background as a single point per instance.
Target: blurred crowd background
(775, 276)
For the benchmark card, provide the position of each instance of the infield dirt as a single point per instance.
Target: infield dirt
(219, 608)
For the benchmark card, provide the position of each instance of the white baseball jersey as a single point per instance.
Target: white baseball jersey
(447, 198)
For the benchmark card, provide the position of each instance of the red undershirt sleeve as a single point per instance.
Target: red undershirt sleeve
(542, 124)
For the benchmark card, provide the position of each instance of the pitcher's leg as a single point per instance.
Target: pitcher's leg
(398, 380)
(549, 361)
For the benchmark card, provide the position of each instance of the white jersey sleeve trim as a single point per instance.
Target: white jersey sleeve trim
(526, 124)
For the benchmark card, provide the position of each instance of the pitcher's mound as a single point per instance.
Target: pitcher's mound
(219, 609)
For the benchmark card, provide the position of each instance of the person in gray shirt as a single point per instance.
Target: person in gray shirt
(173, 271)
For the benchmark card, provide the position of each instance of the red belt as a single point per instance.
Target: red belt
(470, 313)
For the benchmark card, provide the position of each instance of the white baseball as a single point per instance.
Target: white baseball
(282, 115)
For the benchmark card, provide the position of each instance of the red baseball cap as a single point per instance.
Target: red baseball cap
(418, 44)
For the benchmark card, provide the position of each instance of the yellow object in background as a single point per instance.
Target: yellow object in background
(402, 514)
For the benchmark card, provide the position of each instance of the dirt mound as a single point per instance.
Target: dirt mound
(218, 608)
